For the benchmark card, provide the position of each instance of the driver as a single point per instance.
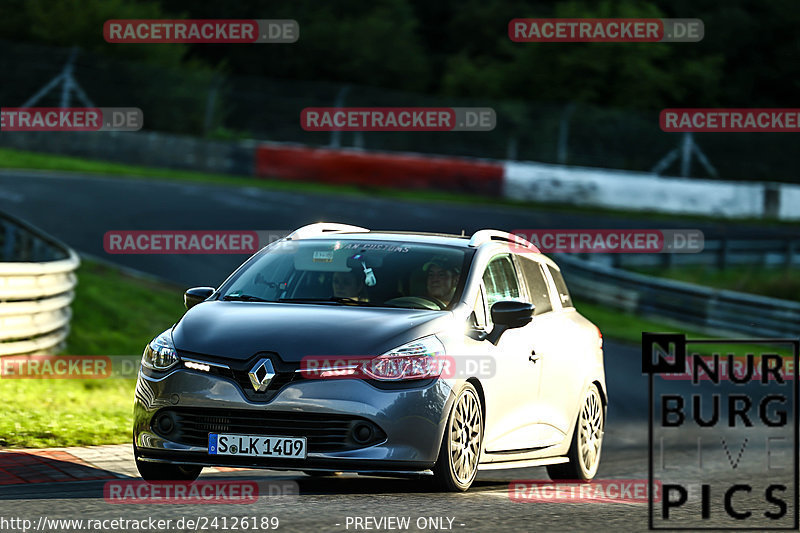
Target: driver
(443, 275)
(349, 285)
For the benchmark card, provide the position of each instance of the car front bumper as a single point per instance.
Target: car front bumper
(411, 420)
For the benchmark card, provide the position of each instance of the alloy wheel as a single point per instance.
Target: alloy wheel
(466, 428)
(591, 432)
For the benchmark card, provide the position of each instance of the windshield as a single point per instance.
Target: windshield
(353, 272)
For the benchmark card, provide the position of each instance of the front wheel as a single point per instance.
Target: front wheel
(153, 472)
(457, 464)
(587, 440)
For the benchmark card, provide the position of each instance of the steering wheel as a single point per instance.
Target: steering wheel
(417, 302)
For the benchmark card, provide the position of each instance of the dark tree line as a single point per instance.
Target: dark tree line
(750, 55)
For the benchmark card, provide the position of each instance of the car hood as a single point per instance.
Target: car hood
(239, 330)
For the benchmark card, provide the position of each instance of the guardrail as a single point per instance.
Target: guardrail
(37, 282)
(721, 253)
(711, 309)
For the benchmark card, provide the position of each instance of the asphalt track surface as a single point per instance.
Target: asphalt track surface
(80, 210)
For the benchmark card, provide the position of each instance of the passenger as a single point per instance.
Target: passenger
(349, 285)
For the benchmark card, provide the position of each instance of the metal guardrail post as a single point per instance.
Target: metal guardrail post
(10, 234)
(667, 260)
(722, 254)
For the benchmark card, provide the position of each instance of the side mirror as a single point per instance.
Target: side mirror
(509, 315)
(195, 295)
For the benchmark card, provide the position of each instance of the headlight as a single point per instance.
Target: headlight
(418, 359)
(160, 354)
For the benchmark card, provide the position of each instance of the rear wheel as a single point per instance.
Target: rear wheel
(457, 464)
(587, 440)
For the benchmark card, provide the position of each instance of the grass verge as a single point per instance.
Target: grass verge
(627, 327)
(783, 283)
(113, 314)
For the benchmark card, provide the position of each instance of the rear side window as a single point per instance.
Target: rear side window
(500, 280)
(561, 287)
(537, 285)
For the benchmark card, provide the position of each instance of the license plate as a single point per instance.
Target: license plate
(257, 446)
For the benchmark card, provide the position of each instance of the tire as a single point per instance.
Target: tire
(457, 464)
(152, 472)
(587, 440)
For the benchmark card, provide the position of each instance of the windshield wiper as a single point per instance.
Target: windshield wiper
(243, 298)
(332, 299)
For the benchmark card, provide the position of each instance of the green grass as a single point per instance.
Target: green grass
(627, 327)
(64, 412)
(19, 159)
(619, 325)
(779, 282)
(113, 314)
(117, 314)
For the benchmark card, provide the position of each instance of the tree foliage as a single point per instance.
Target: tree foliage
(460, 48)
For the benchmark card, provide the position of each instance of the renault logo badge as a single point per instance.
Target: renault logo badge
(261, 375)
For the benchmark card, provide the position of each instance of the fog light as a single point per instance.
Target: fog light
(165, 424)
(362, 433)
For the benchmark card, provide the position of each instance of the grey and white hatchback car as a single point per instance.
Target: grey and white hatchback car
(243, 378)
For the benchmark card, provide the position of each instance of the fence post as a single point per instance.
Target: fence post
(563, 133)
(336, 135)
(8, 247)
(511, 149)
(211, 102)
(722, 254)
(686, 155)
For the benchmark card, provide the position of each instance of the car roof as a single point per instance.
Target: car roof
(443, 239)
(334, 231)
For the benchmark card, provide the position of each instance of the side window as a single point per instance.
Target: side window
(537, 285)
(563, 293)
(500, 280)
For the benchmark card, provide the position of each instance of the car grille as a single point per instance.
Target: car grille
(324, 432)
(285, 373)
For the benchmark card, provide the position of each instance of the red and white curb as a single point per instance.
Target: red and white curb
(53, 465)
